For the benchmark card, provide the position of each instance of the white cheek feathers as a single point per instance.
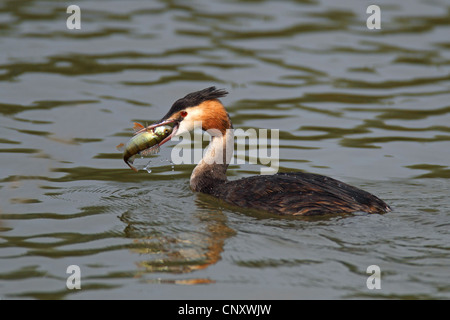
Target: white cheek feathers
(191, 121)
(185, 127)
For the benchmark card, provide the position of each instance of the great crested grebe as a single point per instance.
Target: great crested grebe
(293, 193)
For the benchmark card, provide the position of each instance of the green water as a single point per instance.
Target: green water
(369, 107)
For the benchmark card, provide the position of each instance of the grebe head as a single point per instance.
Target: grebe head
(203, 108)
(200, 107)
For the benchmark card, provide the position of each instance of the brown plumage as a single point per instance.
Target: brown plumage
(297, 193)
(293, 193)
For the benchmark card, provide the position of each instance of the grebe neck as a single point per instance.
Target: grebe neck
(212, 168)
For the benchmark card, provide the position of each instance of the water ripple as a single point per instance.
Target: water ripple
(369, 107)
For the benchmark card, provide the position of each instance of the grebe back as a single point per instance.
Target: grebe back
(292, 193)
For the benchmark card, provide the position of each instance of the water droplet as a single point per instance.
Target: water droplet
(147, 168)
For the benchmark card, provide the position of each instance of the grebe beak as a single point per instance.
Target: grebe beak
(175, 123)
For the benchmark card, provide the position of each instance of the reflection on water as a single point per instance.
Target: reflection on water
(369, 107)
(184, 252)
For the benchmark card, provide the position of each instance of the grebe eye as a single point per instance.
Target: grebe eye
(183, 114)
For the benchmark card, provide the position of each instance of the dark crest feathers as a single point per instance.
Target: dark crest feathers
(195, 98)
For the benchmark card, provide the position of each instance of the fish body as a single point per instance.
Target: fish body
(144, 143)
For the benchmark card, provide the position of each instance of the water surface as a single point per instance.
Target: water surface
(369, 107)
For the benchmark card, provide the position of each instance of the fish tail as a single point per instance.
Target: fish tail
(132, 168)
(129, 159)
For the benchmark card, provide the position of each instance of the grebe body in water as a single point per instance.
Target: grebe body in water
(293, 193)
